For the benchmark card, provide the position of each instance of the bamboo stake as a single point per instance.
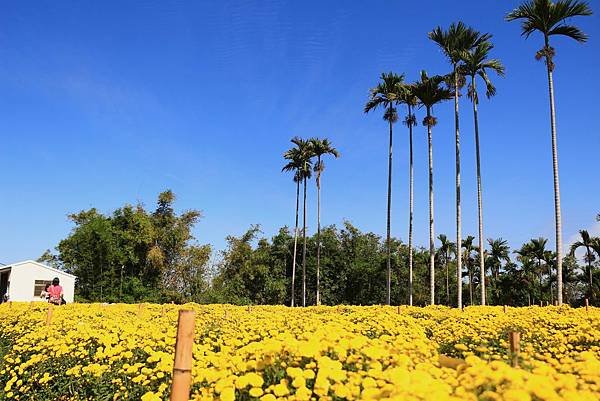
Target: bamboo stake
(49, 316)
(587, 304)
(182, 367)
(398, 309)
(514, 339)
(504, 308)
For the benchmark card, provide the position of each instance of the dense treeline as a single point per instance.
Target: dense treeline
(134, 255)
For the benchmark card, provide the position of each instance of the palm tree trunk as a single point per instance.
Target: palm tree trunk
(410, 203)
(295, 244)
(447, 280)
(470, 268)
(458, 216)
(304, 248)
(389, 213)
(318, 232)
(557, 216)
(479, 200)
(431, 228)
(590, 283)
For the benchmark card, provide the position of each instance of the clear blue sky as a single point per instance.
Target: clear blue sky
(105, 103)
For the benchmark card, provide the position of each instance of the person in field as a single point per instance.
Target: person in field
(45, 295)
(55, 292)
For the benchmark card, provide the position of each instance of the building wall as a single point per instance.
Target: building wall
(22, 281)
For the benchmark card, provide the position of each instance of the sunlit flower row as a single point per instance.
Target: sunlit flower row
(125, 352)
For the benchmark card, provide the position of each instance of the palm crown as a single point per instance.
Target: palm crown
(429, 91)
(299, 159)
(457, 39)
(476, 62)
(548, 18)
(385, 94)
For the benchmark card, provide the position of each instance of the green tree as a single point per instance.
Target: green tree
(429, 91)
(458, 39)
(320, 148)
(588, 243)
(476, 62)
(408, 97)
(387, 93)
(298, 158)
(499, 252)
(549, 18)
(446, 248)
(467, 255)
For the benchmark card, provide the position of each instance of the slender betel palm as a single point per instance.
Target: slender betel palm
(586, 242)
(453, 42)
(409, 98)
(548, 18)
(476, 62)
(429, 91)
(386, 94)
(300, 163)
(294, 164)
(499, 251)
(445, 249)
(320, 147)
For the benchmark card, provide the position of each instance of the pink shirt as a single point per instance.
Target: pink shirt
(55, 291)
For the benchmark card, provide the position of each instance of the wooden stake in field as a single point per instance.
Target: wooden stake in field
(514, 339)
(182, 367)
(504, 307)
(49, 316)
(587, 304)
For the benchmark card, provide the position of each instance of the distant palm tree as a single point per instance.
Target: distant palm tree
(588, 243)
(409, 98)
(295, 165)
(548, 18)
(429, 91)
(320, 147)
(467, 245)
(499, 251)
(446, 248)
(458, 39)
(300, 162)
(386, 94)
(476, 62)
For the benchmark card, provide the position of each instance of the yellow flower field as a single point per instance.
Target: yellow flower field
(124, 352)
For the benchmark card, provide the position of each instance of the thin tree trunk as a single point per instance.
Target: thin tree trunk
(479, 196)
(458, 216)
(470, 268)
(389, 213)
(304, 249)
(431, 227)
(590, 283)
(318, 232)
(295, 244)
(410, 203)
(447, 280)
(557, 214)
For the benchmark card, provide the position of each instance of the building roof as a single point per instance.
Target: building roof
(13, 265)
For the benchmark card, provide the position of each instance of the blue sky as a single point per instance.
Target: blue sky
(106, 103)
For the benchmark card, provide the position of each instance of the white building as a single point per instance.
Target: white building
(24, 281)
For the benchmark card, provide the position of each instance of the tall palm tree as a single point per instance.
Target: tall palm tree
(588, 243)
(453, 42)
(548, 18)
(385, 95)
(408, 97)
(476, 62)
(294, 164)
(499, 252)
(307, 154)
(320, 147)
(429, 91)
(446, 248)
